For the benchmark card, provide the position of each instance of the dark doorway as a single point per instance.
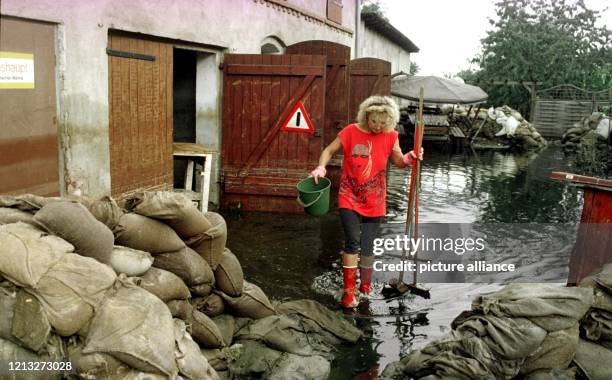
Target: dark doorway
(185, 62)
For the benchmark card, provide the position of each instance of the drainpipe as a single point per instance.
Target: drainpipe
(357, 26)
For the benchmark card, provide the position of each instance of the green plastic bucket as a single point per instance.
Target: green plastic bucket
(314, 197)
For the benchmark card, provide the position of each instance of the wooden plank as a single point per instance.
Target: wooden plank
(581, 179)
(290, 70)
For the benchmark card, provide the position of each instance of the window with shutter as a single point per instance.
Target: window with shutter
(334, 11)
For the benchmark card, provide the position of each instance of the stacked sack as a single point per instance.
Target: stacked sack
(145, 288)
(526, 330)
(594, 353)
(590, 141)
(594, 127)
(239, 330)
(497, 124)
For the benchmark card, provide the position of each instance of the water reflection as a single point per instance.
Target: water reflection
(296, 256)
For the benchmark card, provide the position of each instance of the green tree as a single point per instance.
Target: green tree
(374, 6)
(548, 41)
(414, 68)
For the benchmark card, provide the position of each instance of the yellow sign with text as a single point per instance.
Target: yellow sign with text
(16, 70)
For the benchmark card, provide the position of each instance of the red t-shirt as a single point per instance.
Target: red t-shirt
(363, 187)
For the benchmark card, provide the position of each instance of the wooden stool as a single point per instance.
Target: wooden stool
(193, 152)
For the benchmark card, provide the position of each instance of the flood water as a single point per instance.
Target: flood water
(297, 256)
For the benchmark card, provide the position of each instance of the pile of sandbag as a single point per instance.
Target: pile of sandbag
(497, 124)
(594, 127)
(594, 355)
(526, 330)
(589, 140)
(146, 285)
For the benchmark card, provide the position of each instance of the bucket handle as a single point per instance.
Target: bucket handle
(311, 203)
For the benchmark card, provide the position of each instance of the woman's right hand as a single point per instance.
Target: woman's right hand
(318, 172)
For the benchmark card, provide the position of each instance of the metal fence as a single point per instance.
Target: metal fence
(556, 109)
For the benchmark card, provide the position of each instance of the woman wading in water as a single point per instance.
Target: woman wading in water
(367, 146)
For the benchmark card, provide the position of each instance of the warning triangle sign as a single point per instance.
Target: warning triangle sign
(298, 120)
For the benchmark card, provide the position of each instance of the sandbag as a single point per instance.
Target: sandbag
(132, 374)
(146, 234)
(75, 224)
(105, 210)
(253, 360)
(199, 325)
(295, 367)
(188, 265)
(204, 330)
(26, 202)
(508, 338)
(165, 285)
(211, 243)
(284, 334)
(594, 360)
(180, 309)
(228, 276)
(190, 361)
(549, 306)
(597, 326)
(13, 215)
(130, 261)
(71, 290)
(26, 253)
(174, 209)
(201, 290)
(216, 358)
(323, 317)
(94, 366)
(227, 327)
(30, 323)
(211, 305)
(8, 298)
(127, 315)
(13, 353)
(556, 351)
(253, 303)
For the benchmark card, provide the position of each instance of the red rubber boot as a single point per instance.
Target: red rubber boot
(365, 285)
(349, 297)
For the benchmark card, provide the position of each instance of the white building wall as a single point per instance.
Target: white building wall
(234, 26)
(374, 44)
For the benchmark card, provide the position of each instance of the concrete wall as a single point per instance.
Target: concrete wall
(235, 26)
(374, 44)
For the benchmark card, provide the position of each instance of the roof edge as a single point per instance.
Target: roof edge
(382, 26)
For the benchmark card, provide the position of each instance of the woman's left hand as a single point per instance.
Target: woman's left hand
(410, 157)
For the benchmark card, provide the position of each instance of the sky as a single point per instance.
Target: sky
(448, 32)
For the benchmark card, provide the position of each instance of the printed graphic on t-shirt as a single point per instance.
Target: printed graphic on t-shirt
(361, 151)
(359, 193)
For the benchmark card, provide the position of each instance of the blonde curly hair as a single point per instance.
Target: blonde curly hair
(379, 104)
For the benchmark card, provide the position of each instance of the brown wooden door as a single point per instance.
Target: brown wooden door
(336, 83)
(261, 164)
(29, 158)
(140, 98)
(368, 76)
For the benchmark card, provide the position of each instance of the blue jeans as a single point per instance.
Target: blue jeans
(359, 231)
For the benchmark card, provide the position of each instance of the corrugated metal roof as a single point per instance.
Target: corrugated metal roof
(382, 26)
(436, 120)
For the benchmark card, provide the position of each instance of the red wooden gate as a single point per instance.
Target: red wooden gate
(261, 164)
(369, 76)
(336, 83)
